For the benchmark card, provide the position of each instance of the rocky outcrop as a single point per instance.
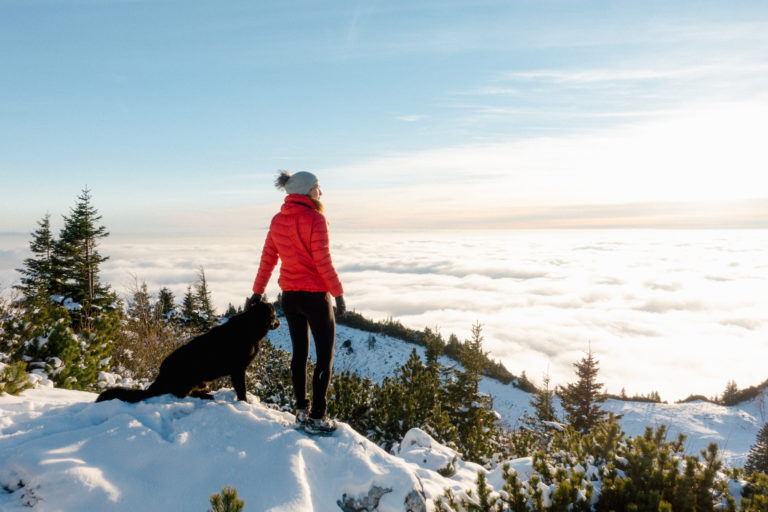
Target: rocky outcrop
(369, 503)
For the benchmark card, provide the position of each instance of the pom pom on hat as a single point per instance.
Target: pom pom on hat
(297, 183)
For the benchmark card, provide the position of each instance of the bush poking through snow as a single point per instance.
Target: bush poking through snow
(755, 496)
(226, 501)
(13, 378)
(604, 471)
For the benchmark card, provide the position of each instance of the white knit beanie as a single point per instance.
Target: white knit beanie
(297, 183)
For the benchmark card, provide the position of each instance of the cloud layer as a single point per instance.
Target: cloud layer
(677, 312)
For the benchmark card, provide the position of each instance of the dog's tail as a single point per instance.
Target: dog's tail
(124, 394)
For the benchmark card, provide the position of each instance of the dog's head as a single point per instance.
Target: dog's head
(274, 323)
(265, 314)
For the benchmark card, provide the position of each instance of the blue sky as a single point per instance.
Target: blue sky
(435, 114)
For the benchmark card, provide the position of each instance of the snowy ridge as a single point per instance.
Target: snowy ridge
(61, 451)
(733, 428)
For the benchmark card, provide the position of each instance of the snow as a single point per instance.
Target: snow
(61, 451)
(67, 302)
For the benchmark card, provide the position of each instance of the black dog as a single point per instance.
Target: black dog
(227, 349)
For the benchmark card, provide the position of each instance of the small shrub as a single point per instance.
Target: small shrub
(13, 379)
(449, 469)
(226, 501)
(755, 497)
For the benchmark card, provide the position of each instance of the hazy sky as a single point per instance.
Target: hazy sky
(178, 113)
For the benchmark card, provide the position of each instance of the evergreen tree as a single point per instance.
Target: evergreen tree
(39, 273)
(453, 347)
(434, 344)
(73, 343)
(78, 257)
(203, 300)
(543, 402)
(473, 359)
(731, 394)
(13, 378)
(165, 301)
(409, 399)
(757, 459)
(471, 411)
(581, 400)
(71, 359)
(188, 305)
(140, 307)
(231, 311)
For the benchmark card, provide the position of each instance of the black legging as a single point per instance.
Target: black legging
(305, 311)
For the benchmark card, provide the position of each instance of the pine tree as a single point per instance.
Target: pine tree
(543, 402)
(13, 378)
(73, 343)
(473, 359)
(581, 400)
(269, 376)
(39, 273)
(165, 301)
(226, 501)
(72, 359)
(731, 394)
(434, 344)
(409, 399)
(231, 311)
(757, 459)
(350, 398)
(203, 300)
(471, 411)
(453, 347)
(140, 307)
(188, 305)
(78, 257)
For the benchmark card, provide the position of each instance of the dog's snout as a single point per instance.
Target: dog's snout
(275, 324)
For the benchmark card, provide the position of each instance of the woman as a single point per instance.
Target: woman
(298, 236)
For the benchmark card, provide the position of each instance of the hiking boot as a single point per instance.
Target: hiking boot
(301, 417)
(320, 426)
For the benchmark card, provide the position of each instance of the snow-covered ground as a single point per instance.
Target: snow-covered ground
(60, 451)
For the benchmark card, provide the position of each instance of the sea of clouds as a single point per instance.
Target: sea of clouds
(678, 312)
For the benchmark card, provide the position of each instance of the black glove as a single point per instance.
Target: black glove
(341, 307)
(255, 299)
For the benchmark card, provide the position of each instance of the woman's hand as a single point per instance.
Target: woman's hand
(255, 299)
(341, 307)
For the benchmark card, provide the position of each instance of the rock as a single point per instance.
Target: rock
(369, 503)
(415, 502)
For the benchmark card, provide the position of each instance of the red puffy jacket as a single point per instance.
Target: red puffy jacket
(298, 236)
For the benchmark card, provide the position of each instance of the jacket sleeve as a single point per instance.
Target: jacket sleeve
(269, 259)
(321, 255)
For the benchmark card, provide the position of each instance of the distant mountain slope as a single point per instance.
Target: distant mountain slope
(733, 428)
